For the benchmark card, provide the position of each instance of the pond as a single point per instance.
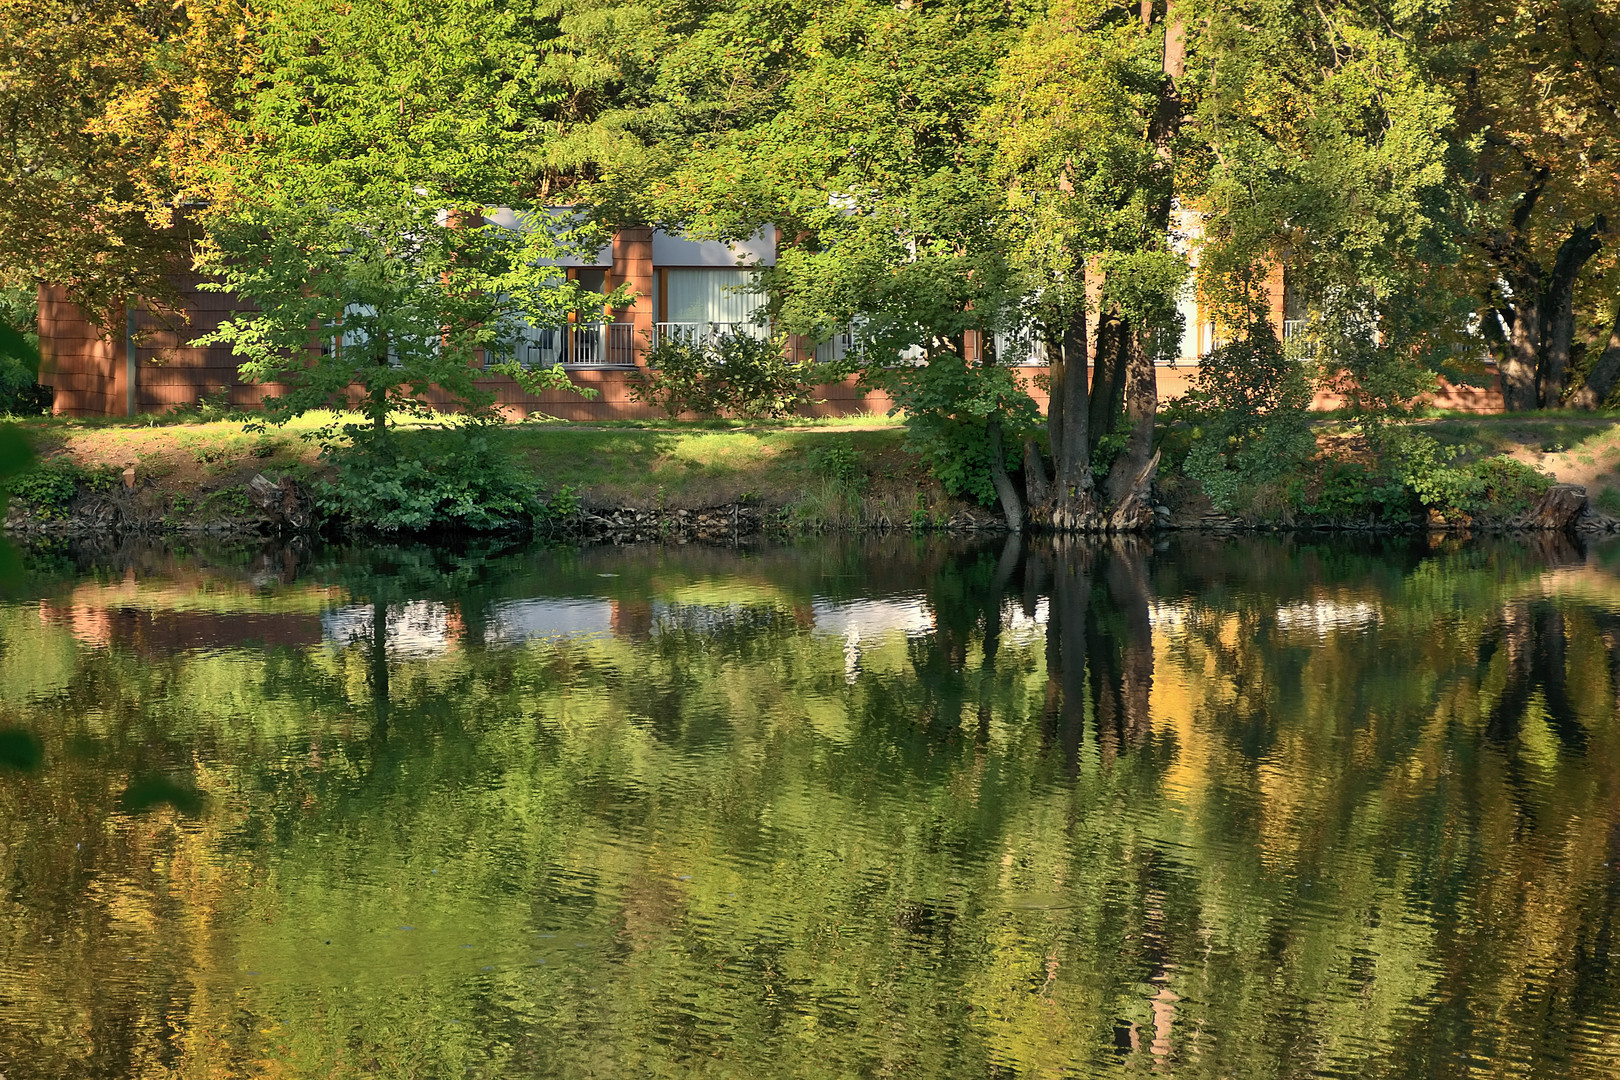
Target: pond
(1257, 807)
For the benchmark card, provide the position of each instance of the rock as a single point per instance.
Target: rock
(1558, 508)
(281, 502)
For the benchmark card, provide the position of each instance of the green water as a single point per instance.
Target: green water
(1255, 808)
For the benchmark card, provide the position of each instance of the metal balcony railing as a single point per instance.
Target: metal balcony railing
(577, 345)
(697, 334)
(1022, 347)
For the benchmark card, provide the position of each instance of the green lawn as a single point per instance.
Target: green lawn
(637, 463)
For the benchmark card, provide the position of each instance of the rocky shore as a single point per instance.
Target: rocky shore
(265, 508)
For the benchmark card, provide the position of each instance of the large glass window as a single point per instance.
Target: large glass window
(710, 295)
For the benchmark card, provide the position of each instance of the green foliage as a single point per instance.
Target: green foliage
(736, 375)
(454, 480)
(380, 135)
(1247, 410)
(206, 409)
(564, 504)
(832, 498)
(20, 392)
(947, 403)
(1109, 446)
(16, 455)
(837, 462)
(920, 519)
(50, 487)
(1410, 474)
(228, 502)
(1508, 485)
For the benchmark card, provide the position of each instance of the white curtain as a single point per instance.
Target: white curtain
(711, 296)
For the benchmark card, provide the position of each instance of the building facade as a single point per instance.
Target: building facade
(682, 289)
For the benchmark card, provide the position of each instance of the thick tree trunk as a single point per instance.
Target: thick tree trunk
(1141, 407)
(1012, 507)
(1130, 478)
(1071, 465)
(1558, 310)
(1605, 372)
(1522, 347)
(1037, 489)
(1107, 379)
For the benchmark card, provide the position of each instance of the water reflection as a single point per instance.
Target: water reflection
(1210, 809)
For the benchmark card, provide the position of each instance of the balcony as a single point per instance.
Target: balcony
(577, 345)
(1021, 347)
(699, 334)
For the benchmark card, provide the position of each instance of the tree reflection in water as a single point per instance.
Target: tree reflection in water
(1206, 809)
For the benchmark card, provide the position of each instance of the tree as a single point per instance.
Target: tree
(107, 112)
(377, 139)
(853, 132)
(1538, 114)
(1086, 115)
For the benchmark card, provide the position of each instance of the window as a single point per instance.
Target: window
(711, 295)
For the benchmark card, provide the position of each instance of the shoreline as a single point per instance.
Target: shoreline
(286, 511)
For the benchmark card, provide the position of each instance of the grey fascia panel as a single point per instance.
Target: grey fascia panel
(675, 250)
(511, 219)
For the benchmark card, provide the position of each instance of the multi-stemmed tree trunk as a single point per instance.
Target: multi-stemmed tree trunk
(1123, 381)
(1531, 322)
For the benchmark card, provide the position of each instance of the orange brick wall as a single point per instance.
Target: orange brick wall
(86, 363)
(171, 371)
(83, 360)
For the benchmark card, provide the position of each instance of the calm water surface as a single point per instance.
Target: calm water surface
(1258, 808)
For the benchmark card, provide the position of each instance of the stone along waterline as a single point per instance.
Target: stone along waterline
(1256, 807)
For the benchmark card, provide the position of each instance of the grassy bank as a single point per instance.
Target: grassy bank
(1571, 448)
(801, 474)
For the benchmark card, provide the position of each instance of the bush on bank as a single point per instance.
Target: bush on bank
(1245, 437)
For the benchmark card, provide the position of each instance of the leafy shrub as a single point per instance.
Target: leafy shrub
(49, 488)
(839, 463)
(947, 403)
(735, 374)
(1339, 490)
(437, 480)
(1510, 486)
(207, 409)
(957, 453)
(20, 395)
(20, 392)
(1247, 409)
(1413, 475)
(564, 504)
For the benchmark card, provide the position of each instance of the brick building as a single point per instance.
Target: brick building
(682, 289)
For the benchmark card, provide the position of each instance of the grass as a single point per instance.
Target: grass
(202, 466)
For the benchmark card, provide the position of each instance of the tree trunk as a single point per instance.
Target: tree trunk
(1011, 506)
(1605, 372)
(1057, 370)
(1521, 351)
(1558, 310)
(1107, 379)
(1037, 489)
(1132, 471)
(1071, 465)
(379, 396)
